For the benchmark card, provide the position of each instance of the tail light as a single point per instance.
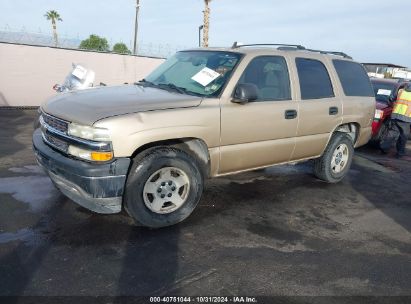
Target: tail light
(379, 114)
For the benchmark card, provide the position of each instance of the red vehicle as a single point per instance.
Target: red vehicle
(386, 91)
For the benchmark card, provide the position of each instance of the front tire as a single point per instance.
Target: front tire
(163, 187)
(336, 161)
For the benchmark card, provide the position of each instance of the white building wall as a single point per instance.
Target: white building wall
(28, 73)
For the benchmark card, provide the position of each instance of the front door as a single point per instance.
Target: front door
(260, 133)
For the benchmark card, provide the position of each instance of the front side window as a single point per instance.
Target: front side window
(353, 78)
(315, 82)
(270, 75)
(202, 73)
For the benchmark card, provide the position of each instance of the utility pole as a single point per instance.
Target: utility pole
(136, 27)
(206, 22)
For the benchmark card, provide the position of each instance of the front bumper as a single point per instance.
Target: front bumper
(97, 187)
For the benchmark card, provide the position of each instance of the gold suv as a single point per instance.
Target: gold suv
(204, 113)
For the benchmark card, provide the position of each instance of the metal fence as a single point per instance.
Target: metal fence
(23, 36)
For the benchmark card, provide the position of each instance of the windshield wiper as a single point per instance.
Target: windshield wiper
(145, 82)
(174, 87)
(180, 89)
(167, 86)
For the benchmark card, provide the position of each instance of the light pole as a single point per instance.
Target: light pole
(199, 34)
(136, 27)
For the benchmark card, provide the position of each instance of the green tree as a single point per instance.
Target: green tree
(54, 17)
(121, 48)
(96, 43)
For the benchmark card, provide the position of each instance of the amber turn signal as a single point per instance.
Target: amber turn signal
(101, 156)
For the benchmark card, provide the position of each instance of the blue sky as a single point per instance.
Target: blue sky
(368, 30)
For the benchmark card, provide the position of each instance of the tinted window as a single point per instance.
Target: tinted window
(270, 75)
(384, 91)
(315, 82)
(353, 78)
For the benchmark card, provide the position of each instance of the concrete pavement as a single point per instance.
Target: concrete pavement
(278, 231)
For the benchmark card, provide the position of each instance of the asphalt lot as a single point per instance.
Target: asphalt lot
(278, 231)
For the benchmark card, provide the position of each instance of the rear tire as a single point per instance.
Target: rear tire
(336, 161)
(163, 187)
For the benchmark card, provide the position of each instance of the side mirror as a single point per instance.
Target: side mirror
(245, 92)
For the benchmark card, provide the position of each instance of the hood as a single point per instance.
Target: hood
(381, 105)
(88, 106)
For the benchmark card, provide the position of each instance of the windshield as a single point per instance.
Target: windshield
(383, 91)
(202, 73)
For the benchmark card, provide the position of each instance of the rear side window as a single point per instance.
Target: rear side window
(315, 81)
(353, 78)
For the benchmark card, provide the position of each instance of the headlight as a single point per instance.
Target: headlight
(378, 114)
(89, 133)
(90, 155)
(86, 132)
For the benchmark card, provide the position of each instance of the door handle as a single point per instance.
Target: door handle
(333, 111)
(290, 114)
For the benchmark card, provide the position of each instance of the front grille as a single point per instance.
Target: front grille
(55, 142)
(55, 134)
(50, 127)
(55, 123)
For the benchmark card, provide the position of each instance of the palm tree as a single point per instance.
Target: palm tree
(54, 17)
(206, 22)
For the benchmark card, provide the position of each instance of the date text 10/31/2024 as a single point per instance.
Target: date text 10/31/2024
(203, 300)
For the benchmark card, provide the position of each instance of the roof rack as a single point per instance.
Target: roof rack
(236, 45)
(284, 46)
(331, 53)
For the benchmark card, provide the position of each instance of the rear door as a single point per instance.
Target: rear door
(320, 110)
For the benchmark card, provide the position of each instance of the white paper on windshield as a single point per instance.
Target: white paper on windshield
(79, 72)
(384, 92)
(205, 76)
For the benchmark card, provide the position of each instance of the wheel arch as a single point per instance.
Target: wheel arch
(351, 129)
(195, 147)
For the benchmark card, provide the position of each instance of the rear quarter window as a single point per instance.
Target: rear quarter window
(353, 78)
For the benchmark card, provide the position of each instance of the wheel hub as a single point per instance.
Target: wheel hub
(166, 190)
(340, 158)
